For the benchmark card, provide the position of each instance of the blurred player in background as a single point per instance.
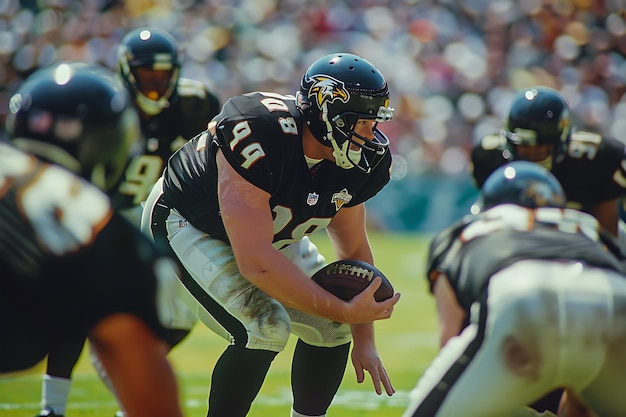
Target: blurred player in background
(530, 297)
(172, 110)
(591, 168)
(70, 265)
(236, 205)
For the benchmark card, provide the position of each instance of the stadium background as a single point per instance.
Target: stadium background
(452, 67)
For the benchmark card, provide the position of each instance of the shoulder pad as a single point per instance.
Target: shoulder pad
(493, 141)
(587, 137)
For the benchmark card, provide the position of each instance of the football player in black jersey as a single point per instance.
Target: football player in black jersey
(172, 110)
(236, 205)
(591, 168)
(531, 297)
(69, 265)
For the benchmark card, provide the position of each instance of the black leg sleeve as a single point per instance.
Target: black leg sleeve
(316, 373)
(237, 379)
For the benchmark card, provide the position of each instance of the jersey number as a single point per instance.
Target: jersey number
(140, 176)
(584, 144)
(65, 212)
(254, 151)
(283, 216)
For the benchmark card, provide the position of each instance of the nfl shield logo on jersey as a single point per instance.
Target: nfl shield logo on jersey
(311, 200)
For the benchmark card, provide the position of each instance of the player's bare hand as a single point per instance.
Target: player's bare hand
(365, 358)
(363, 308)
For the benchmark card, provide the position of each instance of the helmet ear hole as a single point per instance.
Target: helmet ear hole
(338, 121)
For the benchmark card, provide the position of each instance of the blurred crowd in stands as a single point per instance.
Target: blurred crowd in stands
(452, 65)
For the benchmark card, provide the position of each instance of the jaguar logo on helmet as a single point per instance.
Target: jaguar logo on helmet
(326, 89)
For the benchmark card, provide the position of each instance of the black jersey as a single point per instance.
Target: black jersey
(260, 134)
(65, 259)
(191, 108)
(472, 250)
(592, 171)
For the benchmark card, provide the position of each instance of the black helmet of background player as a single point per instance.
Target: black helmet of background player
(523, 183)
(335, 92)
(149, 64)
(78, 116)
(539, 116)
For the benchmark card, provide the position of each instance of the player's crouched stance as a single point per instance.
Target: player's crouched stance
(236, 205)
(529, 300)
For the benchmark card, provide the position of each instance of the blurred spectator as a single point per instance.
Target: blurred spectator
(453, 65)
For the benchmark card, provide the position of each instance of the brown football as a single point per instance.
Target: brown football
(348, 277)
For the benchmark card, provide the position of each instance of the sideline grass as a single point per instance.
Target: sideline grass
(406, 343)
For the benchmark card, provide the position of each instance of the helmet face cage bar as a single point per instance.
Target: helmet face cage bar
(371, 151)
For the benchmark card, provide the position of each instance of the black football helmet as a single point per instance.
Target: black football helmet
(149, 63)
(335, 92)
(523, 183)
(539, 115)
(78, 116)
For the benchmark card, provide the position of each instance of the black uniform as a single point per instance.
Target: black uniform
(191, 107)
(592, 171)
(66, 260)
(469, 255)
(257, 134)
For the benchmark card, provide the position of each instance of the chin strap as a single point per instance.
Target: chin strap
(345, 157)
(151, 107)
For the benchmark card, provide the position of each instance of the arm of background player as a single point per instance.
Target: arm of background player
(449, 312)
(607, 214)
(248, 221)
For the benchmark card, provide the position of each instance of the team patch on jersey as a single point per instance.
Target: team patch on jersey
(341, 198)
(311, 200)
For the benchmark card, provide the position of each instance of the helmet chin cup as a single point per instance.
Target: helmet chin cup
(342, 155)
(151, 107)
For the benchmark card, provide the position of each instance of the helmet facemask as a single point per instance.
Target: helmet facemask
(351, 149)
(149, 102)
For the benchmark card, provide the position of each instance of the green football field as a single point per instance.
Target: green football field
(406, 342)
